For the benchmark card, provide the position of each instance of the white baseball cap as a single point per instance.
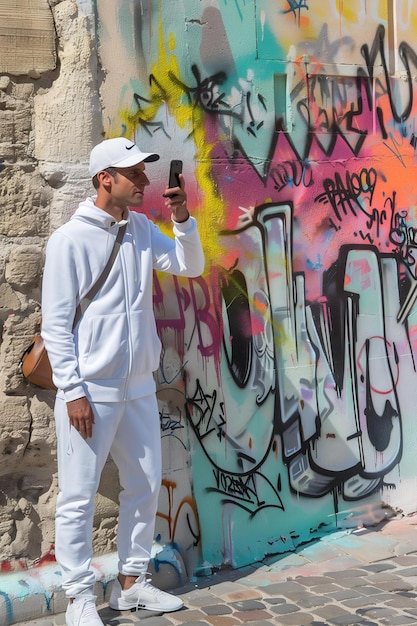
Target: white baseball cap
(118, 152)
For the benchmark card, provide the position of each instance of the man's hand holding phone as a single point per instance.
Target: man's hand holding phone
(176, 198)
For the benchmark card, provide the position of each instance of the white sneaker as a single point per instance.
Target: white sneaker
(143, 595)
(83, 612)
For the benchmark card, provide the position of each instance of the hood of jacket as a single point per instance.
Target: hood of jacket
(89, 213)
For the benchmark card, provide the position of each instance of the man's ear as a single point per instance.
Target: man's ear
(105, 180)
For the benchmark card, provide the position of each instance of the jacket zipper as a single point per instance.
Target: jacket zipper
(129, 334)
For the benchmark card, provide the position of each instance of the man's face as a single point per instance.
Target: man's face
(129, 185)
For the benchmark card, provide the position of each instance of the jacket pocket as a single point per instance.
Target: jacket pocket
(119, 345)
(104, 347)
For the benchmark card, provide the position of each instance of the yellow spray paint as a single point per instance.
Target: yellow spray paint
(166, 92)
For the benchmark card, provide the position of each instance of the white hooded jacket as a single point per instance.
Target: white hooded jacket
(111, 354)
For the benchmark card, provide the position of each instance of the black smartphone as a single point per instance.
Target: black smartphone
(174, 169)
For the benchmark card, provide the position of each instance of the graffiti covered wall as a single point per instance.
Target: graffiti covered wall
(287, 383)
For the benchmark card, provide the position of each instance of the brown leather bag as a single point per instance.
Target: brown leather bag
(34, 362)
(35, 366)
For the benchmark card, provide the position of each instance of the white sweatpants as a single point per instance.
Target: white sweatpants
(130, 431)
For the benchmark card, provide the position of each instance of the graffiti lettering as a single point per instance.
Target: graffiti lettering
(239, 486)
(209, 343)
(168, 423)
(170, 306)
(201, 413)
(354, 194)
(206, 95)
(291, 174)
(142, 119)
(242, 490)
(185, 509)
(403, 237)
(406, 54)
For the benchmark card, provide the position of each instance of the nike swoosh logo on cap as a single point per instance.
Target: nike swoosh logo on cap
(130, 147)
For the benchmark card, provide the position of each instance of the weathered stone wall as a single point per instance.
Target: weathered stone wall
(49, 119)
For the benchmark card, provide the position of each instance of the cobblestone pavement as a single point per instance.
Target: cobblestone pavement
(368, 576)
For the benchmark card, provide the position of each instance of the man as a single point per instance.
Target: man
(103, 368)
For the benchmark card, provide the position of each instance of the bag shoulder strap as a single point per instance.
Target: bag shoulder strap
(86, 301)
